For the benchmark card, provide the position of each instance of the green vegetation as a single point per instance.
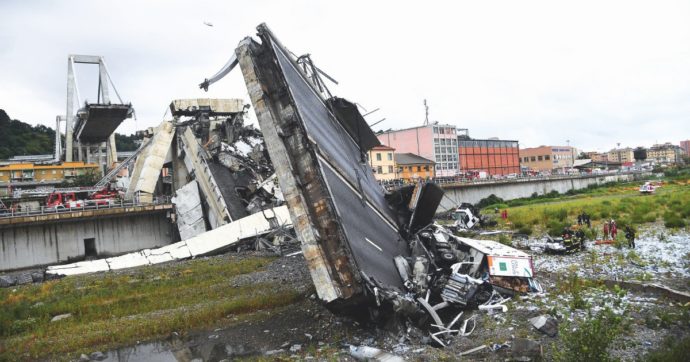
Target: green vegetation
(19, 138)
(89, 178)
(126, 143)
(116, 309)
(673, 350)
(589, 341)
(622, 202)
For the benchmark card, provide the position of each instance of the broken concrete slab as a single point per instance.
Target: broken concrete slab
(147, 167)
(190, 214)
(207, 243)
(545, 324)
(7, 281)
(24, 278)
(366, 353)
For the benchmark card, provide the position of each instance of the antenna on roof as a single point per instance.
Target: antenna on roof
(426, 114)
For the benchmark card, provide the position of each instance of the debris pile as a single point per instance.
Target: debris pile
(370, 253)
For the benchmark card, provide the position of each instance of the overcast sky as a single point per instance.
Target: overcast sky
(542, 72)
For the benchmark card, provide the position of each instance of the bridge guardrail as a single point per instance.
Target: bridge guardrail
(10, 213)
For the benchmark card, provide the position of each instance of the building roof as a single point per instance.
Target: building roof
(381, 132)
(583, 162)
(494, 139)
(411, 159)
(382, 148)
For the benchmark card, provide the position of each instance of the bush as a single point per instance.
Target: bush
(672, 350)
(489, 200)
(673, 220)
(590, 340)
(555, 227)
(526, 229)
(505, 240)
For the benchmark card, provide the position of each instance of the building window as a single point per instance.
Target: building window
(379, 169)
(426, 168)
(390, 156)
(390, 169)
(378, 156)
(540, 158)
(547, 157)
(533, 159)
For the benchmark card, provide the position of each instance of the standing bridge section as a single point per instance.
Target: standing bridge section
(508, 189)
(40, 237)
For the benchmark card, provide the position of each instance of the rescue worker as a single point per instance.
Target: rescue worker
(630, 235)
(579, 219)
(580, 235)
(614, 229)
(606, 230)
(588, 221)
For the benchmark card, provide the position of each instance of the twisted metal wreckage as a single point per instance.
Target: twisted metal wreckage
(365, 247)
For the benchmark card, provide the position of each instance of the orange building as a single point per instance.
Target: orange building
(493, 156)
(413, 167)
(29, 172)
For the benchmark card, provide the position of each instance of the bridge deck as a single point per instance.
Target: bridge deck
(96, 122)
(87, 212)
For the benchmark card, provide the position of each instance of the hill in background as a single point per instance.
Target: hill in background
(19, 138)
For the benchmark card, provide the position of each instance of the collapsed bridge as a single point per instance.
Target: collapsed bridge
(363, 246)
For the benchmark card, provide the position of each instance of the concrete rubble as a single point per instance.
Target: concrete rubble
(371, 253)
(207, 243)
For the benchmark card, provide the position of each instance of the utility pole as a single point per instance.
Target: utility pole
(426, 114)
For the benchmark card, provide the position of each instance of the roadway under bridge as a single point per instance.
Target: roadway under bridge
(519, 188)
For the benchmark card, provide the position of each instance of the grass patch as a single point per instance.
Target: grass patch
(621, 202)
(672, 350)
(113, 310)
(590, 339)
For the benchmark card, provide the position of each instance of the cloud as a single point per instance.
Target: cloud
(541, 72)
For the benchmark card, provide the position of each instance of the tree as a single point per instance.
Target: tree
(19, 138)
(640, 154)
(582, 156)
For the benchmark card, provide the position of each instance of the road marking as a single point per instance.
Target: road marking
(372, 243)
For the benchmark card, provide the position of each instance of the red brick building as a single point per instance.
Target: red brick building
(493, 156)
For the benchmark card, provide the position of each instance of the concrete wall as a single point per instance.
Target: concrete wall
(518, 189)
(50, 243)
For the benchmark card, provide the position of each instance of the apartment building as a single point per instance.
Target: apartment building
(664, 153)
(597, 157)
(685, 146)
(547, 158)
(621, 155)
(437, 142)
(382, 162)
(29, 172)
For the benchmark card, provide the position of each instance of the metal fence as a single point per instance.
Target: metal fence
(88, 205)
